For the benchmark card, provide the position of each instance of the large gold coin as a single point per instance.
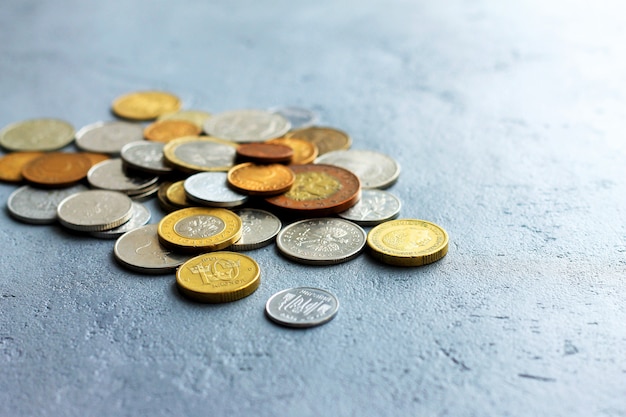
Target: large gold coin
(167, 130)
(11, 165)
(145, 105)
(218, 277)
(197, 229)
(304, 152)
(262, 180)
(325, 138)
(408, 242)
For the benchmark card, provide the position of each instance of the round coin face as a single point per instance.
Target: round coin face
(244, 126)
(298, 117)
(95, 210)
(139, 217)
(259, 228)
(303, 152)
(37, 135)
(167, 130)
(145, 105)
(408, 242)
(265, 153)
(374, 169)
(108, 137)
(145, 156)
(57, 169)
(211, 189)
(110, 175)
(302, 307)
(261, 180)
(326, 139)
(11, 165)
(374, 207)
(38, 206)
(200, 154)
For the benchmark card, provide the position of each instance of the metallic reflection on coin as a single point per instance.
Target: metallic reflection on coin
(139, 217)
(302, 307)
(95, 210)
(244, 126)
(108, 137)
(259, 229)
(37, 135)
(298, 117)
(145, 156)
(211, 189)
(197, 154)
(110, 175)
(374, 207)
(38, 206)
(374, 169)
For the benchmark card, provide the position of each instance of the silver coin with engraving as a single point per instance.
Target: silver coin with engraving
(211, 189)
(302, 307)
(140, 250)
(140, 216)
(374, 207)
(245, 126)
(374, 169)
(322, 241)
(110, 175)
(37, 135)
(37, 205)
(95, 210)
(259, 229)
(108, 137)
(200, 154)
(145, 156)
(298, 117)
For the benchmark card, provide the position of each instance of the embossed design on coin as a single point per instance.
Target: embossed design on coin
(261, 180)
(313, 186)
(374, 169)
(211, 189)
(110, 175)
(140, 216)
(95, 210)
(302, 307)
(259, 228)
(375, 207)
(145, 156)
(199, 226)
(197, 154)
(37, 206)
(246, 125)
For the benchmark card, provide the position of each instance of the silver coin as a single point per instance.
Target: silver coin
(108, 137)
(298, 117)
(139, 217)
(374, 207)
(145, 156)
(37, 135)
(323, 241)
(247, 125)
(95, 210)
(302, 307)
(211, 189)
(374, 169)
(110, 175)
(36, 205)
(141, 251)
(203, 154)
(259, 228)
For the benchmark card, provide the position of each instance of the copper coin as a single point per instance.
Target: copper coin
(11, 165)
(319, 190)
(57, 169)
(262, 180)
(167, 130)
(265, 153)
(304, 152)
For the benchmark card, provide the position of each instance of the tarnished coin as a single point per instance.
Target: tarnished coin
(261, 180)
(110, 175)
(211, 189)
(259, 228)
(167, 130)
(139, 217)
(95, 210)
(11, 165)
(324, 241)
(326, 139)
(302, 307)
(218, 277)
(37, 135)
(200, 154)
(197, 117)
(408, 242)
(57, 169)
(38, 206)
(140, 250)
(303, 152)
(108, 137)
(374, 169)
(374, 207)
(145, 156)
(145, 105)
(298, 117)
(265, 153)
(176, 195)
(246, 125)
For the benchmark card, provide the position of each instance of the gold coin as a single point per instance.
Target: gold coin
(145, 105)
(194, 154)
(37, 135)
(325, 138)
(167, 130)
(262, 180)
(164, 202)
(176, 196)
(304, 152)
(197, 117)
(408, 242)
(197, 229)
(218, 277)
(11, 165)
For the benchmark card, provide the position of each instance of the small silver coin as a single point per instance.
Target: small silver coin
(259, 228)
(36, 205)
(140, 250)
(374, 207)
(302, 307)
(322, 241)
(211, 189)
(95, 210)
(245, 126)
(110, 175)
(146, 156)
(139, 217)
(298, 117)
(374, 169)
(108, 137)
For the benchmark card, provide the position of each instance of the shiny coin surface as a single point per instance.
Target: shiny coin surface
(145, 105)
(408, 242)
(145, 156)
(176, 195)
(200, 154)
(196, 229)
(164, 201)
(261, 180)
(57, 169)
(95, 210)
(374, 207)
(37, 135)
(167, 130)
(11, 165)
(197, 117)
(139, 217)
(326, 139)
(218, 277)
(302, 307)
(259, 228)
(108, 137)
(140, 250)
(264, 153)
(110, 175)
(303, 152)
(211, 189)
(246, 125)
(324, 241)
(38, 206)
(374, 169)
(298, 117)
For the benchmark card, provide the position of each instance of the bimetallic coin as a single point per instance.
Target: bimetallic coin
(139, 217)
(57, 169)
(218, 277)
(374, 207)
(37, 135)
(259, 228)
(302, 307)
(261, 180)
(38, 206)
(326, 139)
(408, 242)
(108, 137)
(145, 105)
(145, 156)
(110, 175)
(298, 117)
(244, 126)
(211, 189)
(197, 117)
(303, 152)
(324, 241)
(200, 154)
(167, 130)
(11, 165)
(265, 153)
(374, 169)
(95, 210)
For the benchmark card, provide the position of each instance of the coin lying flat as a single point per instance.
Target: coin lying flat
(110, 175)
(139, 217)
(108, 137)
(37, 135)
(197, 117)
(261, 180)
(145, 105)
(244, 126)
(36, 205)
(145, 156)
(374, 207)
(57, 169)
(199, 153)
(408, 242)
(326, 139)
(167, 130)
(95, 210)
(265, 153)
(303, 152)
(211, 189)
(259, 228)
(176, 196)
(374, 169)
(11, 165)
(302, 307)
(298, 117)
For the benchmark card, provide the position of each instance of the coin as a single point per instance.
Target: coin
(94, 210)
(324, 241)
(110, 175)
(326, 139)
(197, 117)
(57, 169)
(246, 125)
(176, 195)
(200, 153)
(302, 307)
(145, 105)
(261, 180)
(264, 153)
(374, 207)
(408, 242)
(164, 201)
(145, 156)
(11, 165)
(95, 158)
(218, 277)
(259, 228)
(298, 117)
(167, 130)
(319, 190)
(139, 217)
(374, 169)
(140, 250)
(36, 205)
(108, 137)
(37, 135)
(196, 229)
(303, 152)
(211, 189)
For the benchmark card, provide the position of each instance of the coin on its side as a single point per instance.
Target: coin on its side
(167, 130)
(408, 242)
(211, 189)
(139, 217)
(302, 307)
(95, 210)
(38, 206)
(11, 165)
(145, 156)
(326, 139)
(108, 137)
(245, 126)
(145, 105)
(374, 169)
(37, 135)
(374, 207)
(57, 169)
(259, 228)
(197, 117)
(261, 180)
(265, 153)
(298, 117)
(303, 152)
(200, 154)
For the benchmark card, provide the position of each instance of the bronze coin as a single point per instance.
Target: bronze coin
(167, 130)
(265, 153)
(11, 165)
(262, 180)
(319, 190)
(57, 169)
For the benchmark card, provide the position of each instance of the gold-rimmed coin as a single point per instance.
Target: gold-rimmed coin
(194, 154)
(304, 152)
(11, 165)
(57, 169)
(176, 196)
(37, 135)
(261, 180)
(167, 130)
(325, 138)
(408, 242)
(145, 105)
(197, 117)
(218, 277)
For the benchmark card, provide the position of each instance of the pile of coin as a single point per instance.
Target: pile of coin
(225, 192)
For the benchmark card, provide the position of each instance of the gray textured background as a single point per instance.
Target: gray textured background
(509, 123)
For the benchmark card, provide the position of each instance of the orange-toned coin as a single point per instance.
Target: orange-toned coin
(95, 157)
(57, 169)
(11, 165)
(262, 180)
(167, 130)
(304, 152)
(265, 153)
